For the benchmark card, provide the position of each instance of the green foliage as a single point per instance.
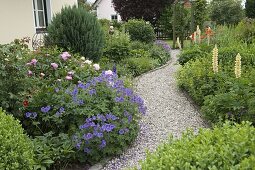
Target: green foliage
(52, 152)
(79, 30)
(236, 102)
(159, 53)
(246, 31)
(221, 95)
(165, 21)
(16, 148)
(140, 65)
(226, 11)
(200, 12)
(228, 147)
(250, 8)
(117, 46)
(12, 76)
(139, 30)
(193, 53)
(65, 98)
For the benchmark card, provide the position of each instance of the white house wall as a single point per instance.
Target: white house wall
(105, 9)
(17, 18)
(58, 4)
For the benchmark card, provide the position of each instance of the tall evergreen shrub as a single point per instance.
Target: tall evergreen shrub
(78, 30)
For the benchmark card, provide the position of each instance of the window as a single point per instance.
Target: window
(41, 9)
(114, 17)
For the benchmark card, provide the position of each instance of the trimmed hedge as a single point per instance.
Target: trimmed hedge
(231, 146)
(16, 150)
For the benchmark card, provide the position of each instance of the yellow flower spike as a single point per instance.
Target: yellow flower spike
(238, 68)
(215, 59)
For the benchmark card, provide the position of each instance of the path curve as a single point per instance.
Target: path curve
(169, 111)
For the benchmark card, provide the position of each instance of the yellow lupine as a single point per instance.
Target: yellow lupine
(238, 66)
(215, 59)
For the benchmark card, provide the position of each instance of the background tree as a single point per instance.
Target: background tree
(149, 10)
(200, 12)
(85, 4)
(226, 11)
(165, 21)
(250, 8)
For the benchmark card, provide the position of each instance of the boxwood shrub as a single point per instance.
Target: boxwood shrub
(16, 150)
(231, 146)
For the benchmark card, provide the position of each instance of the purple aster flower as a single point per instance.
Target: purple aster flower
(119, 99)
(61, 109)
(87, 150)
(92, 92)
(88, 136)
(101, 117)
(45, 109)
(98, 134)
(94, 117)
(28, 114)
(81, 102)
(128, 92)
(126, 130)
(114, 69)
(78, 145)
(33, 115)
(108, 127)
(56, 90)
(142, 109)
(58, 114)
(130, 118)
(111, 117)
(103, 144)
(126, 113)
(121, 131)
(75, 91)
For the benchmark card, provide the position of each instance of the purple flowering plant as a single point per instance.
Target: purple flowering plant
(96, 110)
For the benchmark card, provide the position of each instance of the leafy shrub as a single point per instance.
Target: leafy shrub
(79, 30)
(71, 91)
(226, 147)
(137, 45)
(192, 54)
(236, 102)
(117, 47)
(12, 82)
(16, 148)
(140, 65)
(139, 30)
(246, 30)
(160, 51)
(52, 152)
(198, 79)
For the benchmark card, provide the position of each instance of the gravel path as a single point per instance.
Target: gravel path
(169, 111)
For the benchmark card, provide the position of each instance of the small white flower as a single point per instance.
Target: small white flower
(6, 59)
(96, 66)
(42, 74)
(88, 62)
(83, 58)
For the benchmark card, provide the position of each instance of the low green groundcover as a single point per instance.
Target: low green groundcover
(231, 146)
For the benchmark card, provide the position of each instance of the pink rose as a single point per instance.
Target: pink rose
(33, 62)
(54, 65)
(65, 55)
(29, 73)
(69, 77)
(96, 66)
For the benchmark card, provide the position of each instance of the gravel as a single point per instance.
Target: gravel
(170, 111)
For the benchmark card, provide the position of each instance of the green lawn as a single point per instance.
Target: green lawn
(186, 43)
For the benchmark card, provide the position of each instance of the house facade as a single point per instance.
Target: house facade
(105, 10)
(25, 18)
